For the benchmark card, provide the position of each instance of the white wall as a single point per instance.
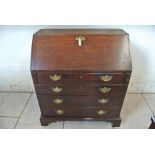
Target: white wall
(15, 50)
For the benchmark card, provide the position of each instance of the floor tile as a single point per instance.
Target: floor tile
(87, 125)
(150, 88)
(31, 115)
(12, 104)
(132, 88)
(7, 122)
(150, 98)
(135, 112)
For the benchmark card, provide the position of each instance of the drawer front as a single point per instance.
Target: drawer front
(105, 78)
(81, 112)
(80, 101)
(128, 75)
(81, 90)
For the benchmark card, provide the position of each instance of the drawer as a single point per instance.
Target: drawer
(50, 78)
(128, 75)
(81, 112)
(81, 90)
(80, 101)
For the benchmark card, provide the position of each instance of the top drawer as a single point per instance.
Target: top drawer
(105, 78)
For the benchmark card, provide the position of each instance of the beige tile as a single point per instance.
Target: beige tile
(12, 104)
(150, 98)
(132, 88)
(135, 112)
(31, 115)
(87, 125)
(149, 88)
(140, 86)
(142, 75)
(7, 122)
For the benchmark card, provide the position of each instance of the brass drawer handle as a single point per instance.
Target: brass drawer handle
(58, 101)
(59, 112)
(106, 78)
(55, 77)
(103, 101)
(105, 90)
(80, 39)
(56, 89)
(101, 112)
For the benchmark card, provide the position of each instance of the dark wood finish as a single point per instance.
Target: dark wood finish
(152, 126)
(99, 52)
(80, 90)
(34, 77)
(47, 120)
(44, 78)
(127, 77)
(81, 112)
(103, 52)
(81, 101)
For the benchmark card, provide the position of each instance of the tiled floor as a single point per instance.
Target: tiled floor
(21, 111)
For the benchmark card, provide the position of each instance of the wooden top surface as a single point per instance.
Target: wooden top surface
(80, 31)
(102, 50)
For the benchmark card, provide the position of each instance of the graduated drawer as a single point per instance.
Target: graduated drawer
(81, 90)
(105, 78)
(81, 112)
(80, 101)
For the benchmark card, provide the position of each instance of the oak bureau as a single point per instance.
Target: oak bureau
(81, 74)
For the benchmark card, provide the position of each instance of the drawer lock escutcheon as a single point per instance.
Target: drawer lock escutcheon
(58, 101)
(103, 101)
(59, 112)
(80, 39)
(105, 90)
(101, 112)
(56, 89)
(106, 78)
(55, 77)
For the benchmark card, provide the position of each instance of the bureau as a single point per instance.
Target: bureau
(81, 74)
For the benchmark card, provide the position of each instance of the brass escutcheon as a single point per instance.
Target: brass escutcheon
(56, 89)
(59, 112)
(58, 101)
(104, 90)
(101, 112)
(103, 101)
(55, 77)
(106, 78)
(80, 39)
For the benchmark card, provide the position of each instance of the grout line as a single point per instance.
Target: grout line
(147, 104)
(10, 116)
(22, 111)
(133, 93)
(17, 92)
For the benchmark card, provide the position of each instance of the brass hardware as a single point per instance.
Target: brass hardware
(106, 78)
(80, 39)
(55, 77)
(103, 101)
(58, 101)
(59, 112)
(56, 89)
(104, 90)
(81, 77)
(101, 112)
